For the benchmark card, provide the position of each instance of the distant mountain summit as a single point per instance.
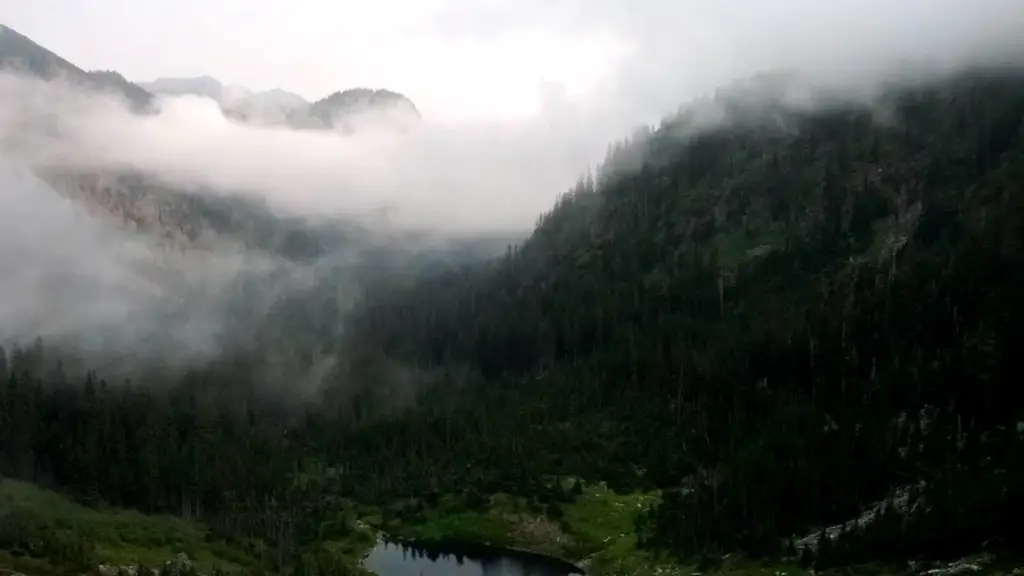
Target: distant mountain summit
(343, 110)
(363, 98)
(349, 109)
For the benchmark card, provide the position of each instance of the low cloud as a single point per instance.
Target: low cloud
(465, 180)
(70, 275)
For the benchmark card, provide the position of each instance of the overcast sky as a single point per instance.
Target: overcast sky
(489, 58)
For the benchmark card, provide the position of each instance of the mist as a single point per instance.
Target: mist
(461, 181)
(497, 175)
(72, 276)
(118, 298)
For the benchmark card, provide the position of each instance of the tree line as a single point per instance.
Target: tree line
(776, 326)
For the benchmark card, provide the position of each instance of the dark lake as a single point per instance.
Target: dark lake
(460, 559)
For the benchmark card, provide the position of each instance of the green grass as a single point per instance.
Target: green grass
(597, 526)
(603, 523)
(123, 536)
(737, 246)
(469, 526)
(599, 517)
(450, 519)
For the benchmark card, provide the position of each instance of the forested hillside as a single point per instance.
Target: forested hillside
(798, 320)
(776, 323)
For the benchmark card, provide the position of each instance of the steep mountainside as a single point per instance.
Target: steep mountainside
(17, 52)
(133, 199)
(765, 309)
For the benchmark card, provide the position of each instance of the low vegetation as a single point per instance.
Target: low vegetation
(43, 531)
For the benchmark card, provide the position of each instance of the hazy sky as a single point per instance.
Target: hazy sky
(488, 58)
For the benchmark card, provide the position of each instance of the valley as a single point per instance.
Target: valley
(706, 353)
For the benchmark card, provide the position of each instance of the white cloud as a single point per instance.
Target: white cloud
(467, 178)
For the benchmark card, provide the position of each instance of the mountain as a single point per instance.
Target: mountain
(782, 323)
(132, 199)
(305, 273)
(343, 111)
(775, 323)
(181, 217)
(757, 336)
(18, 52)
(349, 109)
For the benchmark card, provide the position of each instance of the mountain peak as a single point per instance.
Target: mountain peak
(340, 110)
(365, 98)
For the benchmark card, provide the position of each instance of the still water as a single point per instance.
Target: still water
(459, 559)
